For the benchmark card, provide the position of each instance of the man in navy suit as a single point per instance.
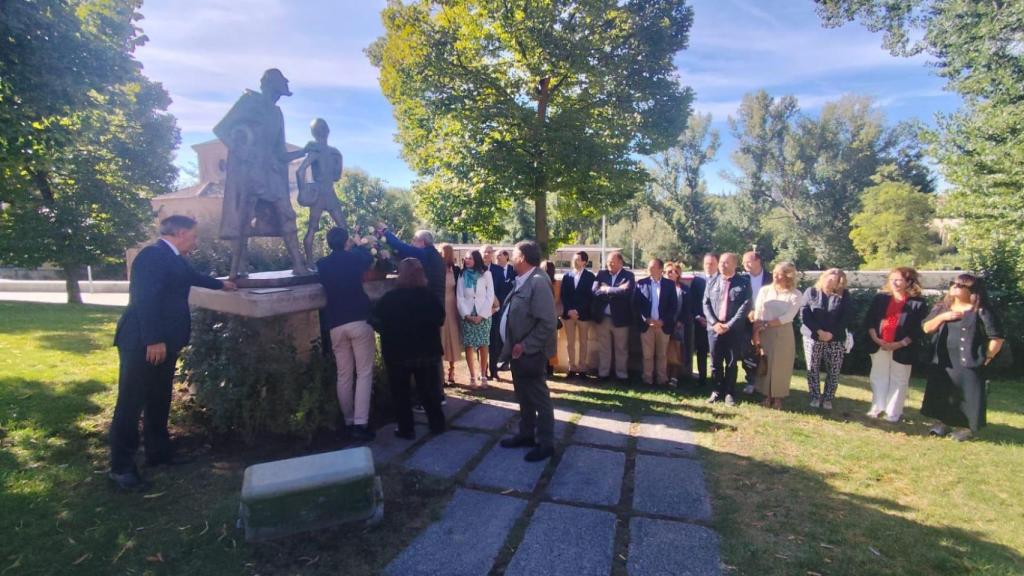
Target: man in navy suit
(577, 295)
(503, 277)
(759, 278)
(700, 323)
(155, 326)
(612, 316)
(726, 303)
(655, 303)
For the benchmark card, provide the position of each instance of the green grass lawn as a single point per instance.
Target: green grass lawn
(794, 492)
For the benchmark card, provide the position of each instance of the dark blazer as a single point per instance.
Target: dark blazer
(739, 300)
(408, 320)
(913, 315)
(158, 300)
(668, 304)
(620, 297)
(341, 273)
(966, 341)
(504, 278)
(697, 287)
(684, 314)
(830, 313)
(429, 257)
(578, 297)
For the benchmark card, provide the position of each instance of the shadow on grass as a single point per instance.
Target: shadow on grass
(779, 520)
(77, 329)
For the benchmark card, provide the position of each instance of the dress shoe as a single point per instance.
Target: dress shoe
(748, 389)
(518, 442)
(939, 430)
(539, 453)
(360, 433)
(405, 434)
(172, 460)
(128, 481)
(962, 435)
(713, 398)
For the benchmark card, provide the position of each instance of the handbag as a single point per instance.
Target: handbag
(762, 362)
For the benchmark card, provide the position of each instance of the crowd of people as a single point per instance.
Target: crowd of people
(502, 311)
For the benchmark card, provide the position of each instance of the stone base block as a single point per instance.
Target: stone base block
(309, 492)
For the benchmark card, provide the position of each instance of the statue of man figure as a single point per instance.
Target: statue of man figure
(256, 200)
(325, 162)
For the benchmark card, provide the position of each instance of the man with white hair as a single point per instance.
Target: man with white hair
(422, 249)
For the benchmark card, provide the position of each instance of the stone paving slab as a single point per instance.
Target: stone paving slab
(665, 435)
(588, 476)
(386, 447)
(504, 468)
(670, 487)
(446, 454)
(670, 548)
(564, 540)
(610, 429)
(465, 541)
(452, 408)
(562, 420)
(485, 417)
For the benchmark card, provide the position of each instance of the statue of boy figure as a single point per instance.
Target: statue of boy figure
(256, 198)
(325, 162)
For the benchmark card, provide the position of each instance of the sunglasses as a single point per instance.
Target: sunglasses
(960, 285)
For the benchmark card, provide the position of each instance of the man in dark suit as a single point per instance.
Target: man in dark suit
(759, 277)
(155, 326)
(700, 323)
(655, 303)
(528, 326)
(577, 295)
(503, 277)
(613, 315)
(726, 303)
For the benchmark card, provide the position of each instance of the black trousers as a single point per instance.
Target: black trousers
(494, 349)
(428, 387)
(701, 348)
(726, 354)
(536, 413)
(142, 389)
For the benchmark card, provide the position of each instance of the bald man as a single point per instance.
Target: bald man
(726, 304)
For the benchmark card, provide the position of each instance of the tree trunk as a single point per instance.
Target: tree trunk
(540, 196)
(71, 275)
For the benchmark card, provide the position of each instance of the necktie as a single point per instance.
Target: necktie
(723, 308)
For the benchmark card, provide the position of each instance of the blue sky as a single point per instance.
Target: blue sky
(206, 52)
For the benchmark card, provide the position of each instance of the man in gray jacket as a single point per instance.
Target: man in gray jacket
(528, 328)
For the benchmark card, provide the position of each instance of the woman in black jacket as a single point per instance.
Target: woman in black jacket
(893, 324)
(409, 320)
(824, 318)
(966, 337)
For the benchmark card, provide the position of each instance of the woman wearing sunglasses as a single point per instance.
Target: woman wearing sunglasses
(965, 338)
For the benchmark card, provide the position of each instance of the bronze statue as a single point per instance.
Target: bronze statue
(256, 199)
(325, 164)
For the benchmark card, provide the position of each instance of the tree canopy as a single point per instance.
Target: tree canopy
(84, 137)
(502, 101)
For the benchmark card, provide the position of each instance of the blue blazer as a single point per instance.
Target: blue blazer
(668, 304)
(739, 301)
(341, 273)
(578, 297)
(504, 278)
(620, 298)
(157, 309)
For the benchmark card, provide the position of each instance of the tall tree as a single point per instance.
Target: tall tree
(679, 191)
(976, 46)
(501, 100)
(84, 137)
(892, 228)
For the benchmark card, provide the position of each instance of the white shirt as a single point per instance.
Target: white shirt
(756, 282)
(576, 277)
(655, 298)
(608, 308)
(173, 247)
(520, 280)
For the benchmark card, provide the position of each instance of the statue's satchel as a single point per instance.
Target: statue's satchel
(307, 192)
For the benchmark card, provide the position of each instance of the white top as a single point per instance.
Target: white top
(774, 304)
(655, 299)
(756, 283)
(481, 297)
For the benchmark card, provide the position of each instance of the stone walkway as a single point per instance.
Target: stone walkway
(618, 493)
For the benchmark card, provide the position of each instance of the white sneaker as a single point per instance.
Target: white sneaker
(826, 405)
(873, 413)
(748, 389)
(815, 403)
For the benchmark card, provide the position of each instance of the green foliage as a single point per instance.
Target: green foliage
(810, 172)
(678, 192)
(84, 137)
(892, 227)
(249, 382)
(498, 102)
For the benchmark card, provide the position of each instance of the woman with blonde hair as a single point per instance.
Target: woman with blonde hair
(824, 318)
(967, 337)
(451, 335)
(893, 324)
(774, 310)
